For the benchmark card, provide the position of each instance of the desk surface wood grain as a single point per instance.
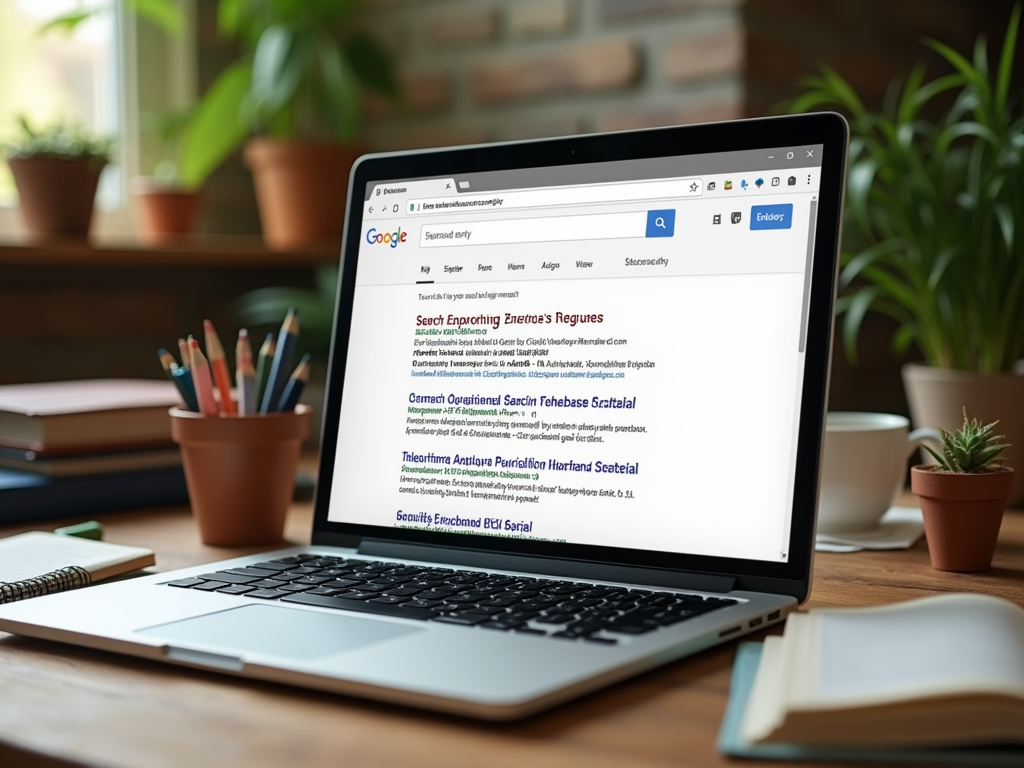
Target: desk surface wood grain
(64, 706)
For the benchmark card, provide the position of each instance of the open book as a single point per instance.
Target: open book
(939, 671)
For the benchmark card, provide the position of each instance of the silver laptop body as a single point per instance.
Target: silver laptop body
(572, 430)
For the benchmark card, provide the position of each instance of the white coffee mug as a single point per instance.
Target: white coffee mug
(864, 468)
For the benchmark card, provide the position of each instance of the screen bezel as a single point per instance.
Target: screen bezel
(828, 129)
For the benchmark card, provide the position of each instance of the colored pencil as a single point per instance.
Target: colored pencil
(183, 377)
(175, 374)
(219, 366)
(263, 366)
(185, 354)
(293, 389)
(242, 346)
(186, 372)
(201, 378)
(282, 361)
(245, 375)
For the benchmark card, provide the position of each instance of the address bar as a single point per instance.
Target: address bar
(546, 198)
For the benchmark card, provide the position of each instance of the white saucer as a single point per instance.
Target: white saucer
(899, 528)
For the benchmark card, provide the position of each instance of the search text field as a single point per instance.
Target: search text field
(635, 224)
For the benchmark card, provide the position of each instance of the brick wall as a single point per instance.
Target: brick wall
(493, 70)
(484, 70)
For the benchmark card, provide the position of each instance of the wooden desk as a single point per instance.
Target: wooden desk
(61, 705)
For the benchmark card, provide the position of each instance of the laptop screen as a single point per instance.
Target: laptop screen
(584, 353)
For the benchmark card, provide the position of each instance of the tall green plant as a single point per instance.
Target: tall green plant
(935, 210)
(296, 78)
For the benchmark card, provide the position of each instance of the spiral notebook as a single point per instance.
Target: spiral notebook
(38, 563)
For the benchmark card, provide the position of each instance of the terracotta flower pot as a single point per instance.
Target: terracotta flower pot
(938, 397)
(301, 189)
(962, 515)
(56, 195)
(165, 214)
(240, 472)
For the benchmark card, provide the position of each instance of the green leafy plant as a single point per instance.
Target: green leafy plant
(168, 129)
(934, 228)
(295, 79)
(60, 141)
(265, 307)
(972, 448)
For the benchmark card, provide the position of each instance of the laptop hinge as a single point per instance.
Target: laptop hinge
(579, 569)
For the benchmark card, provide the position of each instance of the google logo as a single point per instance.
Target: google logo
(373, 237)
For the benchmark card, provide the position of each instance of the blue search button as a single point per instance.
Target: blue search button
(661, 223)
(771, 216)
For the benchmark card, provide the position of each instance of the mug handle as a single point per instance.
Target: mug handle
(915, 438)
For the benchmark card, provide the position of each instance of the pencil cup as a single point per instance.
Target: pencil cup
(240, 472)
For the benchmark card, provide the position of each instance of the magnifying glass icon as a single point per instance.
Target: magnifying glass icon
(661, 222)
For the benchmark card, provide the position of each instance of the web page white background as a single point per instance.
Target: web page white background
(721, 397)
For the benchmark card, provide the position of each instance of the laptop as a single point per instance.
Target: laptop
(572, 429)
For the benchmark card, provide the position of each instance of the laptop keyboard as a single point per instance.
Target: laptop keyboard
(567, 610)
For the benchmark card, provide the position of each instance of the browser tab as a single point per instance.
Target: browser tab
(390, 190)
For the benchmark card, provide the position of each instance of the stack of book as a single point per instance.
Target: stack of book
(77, 447)
(938, 681)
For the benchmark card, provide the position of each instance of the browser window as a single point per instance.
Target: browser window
(586, 362)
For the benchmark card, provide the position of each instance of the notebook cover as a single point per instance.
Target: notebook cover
(730, 742)
(35, 553)
(25, 496)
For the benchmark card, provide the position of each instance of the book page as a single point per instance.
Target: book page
(765, 710)
(951, 644)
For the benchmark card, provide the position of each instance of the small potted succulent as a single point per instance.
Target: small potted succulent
(964, 496)
(168, 209)
(56, 171)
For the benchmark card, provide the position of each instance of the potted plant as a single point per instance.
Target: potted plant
(963, 497)
(934, 233)
(296, 90)
(56, 171)
(167, 209)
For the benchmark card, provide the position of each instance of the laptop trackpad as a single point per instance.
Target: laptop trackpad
(288, 632)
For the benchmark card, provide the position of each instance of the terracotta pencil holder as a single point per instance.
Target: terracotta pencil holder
(240, 472)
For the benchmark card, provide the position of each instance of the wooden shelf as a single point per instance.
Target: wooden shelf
(240, 252)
